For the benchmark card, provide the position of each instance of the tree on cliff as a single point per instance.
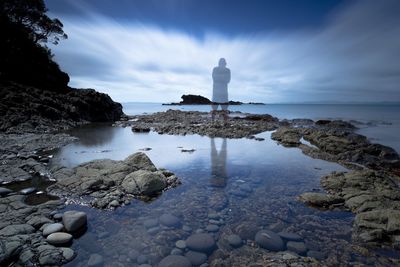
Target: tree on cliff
(25, 58)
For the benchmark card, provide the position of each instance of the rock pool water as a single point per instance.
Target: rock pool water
(229, 186)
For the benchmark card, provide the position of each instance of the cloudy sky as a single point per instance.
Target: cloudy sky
(278, 51)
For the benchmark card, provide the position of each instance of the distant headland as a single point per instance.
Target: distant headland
(201, 100)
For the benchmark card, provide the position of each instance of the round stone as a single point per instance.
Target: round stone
(290, 236)
(53, 228)
(57, 216)
(5, 191)
(175, 261)
(59, 238)
(114, 203)
(170, 220)
(73, 220)
(212, 228)
(150, 223)
(142, 259)
(145, 265)
(269, 240)
(180, 244)
(176, 251)
(201, 242)
(27, 191)
(234, 240)
(153, 230)
(196, 258)
(95, 260)
(68, 254)
(298, 247)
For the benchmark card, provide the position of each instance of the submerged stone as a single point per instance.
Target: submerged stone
(269, 240)
(201, 242)
(59, 238)
(175, 261)
(73, 220)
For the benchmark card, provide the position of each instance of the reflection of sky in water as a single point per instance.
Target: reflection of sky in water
(383, 128)
(118, 143)
(258, 180)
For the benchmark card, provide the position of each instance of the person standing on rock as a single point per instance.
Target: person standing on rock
(221, 77)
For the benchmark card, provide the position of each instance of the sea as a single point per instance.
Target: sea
(379, 122)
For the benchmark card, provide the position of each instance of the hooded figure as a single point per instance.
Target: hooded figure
(221, 77)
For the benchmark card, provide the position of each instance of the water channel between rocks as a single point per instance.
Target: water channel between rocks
(239, 185)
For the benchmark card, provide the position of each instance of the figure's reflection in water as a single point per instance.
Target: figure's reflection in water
(218, 164)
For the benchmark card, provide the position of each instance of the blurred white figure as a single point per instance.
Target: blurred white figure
(221, 77)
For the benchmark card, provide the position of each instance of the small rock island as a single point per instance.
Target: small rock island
(201, 100)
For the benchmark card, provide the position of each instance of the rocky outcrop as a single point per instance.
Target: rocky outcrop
(337, 141)
(176, 122)
(29, 109)
(111, 183)
(372, 195)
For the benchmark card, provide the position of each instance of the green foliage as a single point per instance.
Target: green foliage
(23, 58)
(31, 15)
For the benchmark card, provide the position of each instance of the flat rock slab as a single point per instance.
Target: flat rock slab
(59, 238)
(201, 242)
(17, 229)
(175, 261)
(74, 220)
(269, 240)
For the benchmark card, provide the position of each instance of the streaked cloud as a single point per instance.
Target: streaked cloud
(354, 57)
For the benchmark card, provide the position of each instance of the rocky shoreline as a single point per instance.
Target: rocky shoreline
(369, 189)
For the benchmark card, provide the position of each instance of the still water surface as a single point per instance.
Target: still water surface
(250, 184)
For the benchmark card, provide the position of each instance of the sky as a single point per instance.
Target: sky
(277, 51)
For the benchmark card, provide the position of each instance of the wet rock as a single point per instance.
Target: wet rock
(59, 238)
(201, 243)
(297, 247)
(9, 249)
(316, 254)
(149, 223)
(144, 182)
(235, 241)
(111, 183)
(180, 244)
(175, 261)
(5, 191)
(290, 236)
(142, 259)
(153, 230)
(52, 228)
(17, 229)
(170, 220)
(212, 228)
(27, 191)
(95, 260)
(49, 256)
(68, 254)
(319, 199)
(196, 258)
(38, 221)
(74, 220)
(269, 240)
(176, 251)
